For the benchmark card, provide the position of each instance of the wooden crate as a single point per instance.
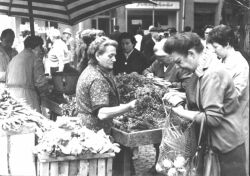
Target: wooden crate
(138, 138)
(16, 154)
(85, 165)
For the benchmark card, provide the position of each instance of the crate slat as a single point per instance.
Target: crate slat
(84, 167)
(101, 167)
(44, 169)
(73, 167)
(93, 167)
(54, 169)
(64, 168)
(109, 167)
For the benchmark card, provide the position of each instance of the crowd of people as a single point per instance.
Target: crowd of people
(212, 74)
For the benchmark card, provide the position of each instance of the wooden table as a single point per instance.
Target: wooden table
(134, 139)
(126, 140)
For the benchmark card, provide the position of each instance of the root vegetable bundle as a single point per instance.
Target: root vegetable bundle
(14, 115)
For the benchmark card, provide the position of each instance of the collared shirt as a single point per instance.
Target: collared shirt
(217, 101)
(128, 54)
(238, 68)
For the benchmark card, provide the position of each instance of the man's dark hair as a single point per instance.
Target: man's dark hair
(7, 32)
(127, 35)
(183, 42)
(187, 29)
(116, 27)
(33, 41)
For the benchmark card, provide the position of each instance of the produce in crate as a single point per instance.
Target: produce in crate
(69, 109)
(149, 112)
(61, 142)
(16, 115)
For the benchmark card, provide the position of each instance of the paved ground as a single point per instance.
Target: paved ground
(145, 160)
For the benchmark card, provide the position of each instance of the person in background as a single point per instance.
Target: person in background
(207, 45)
(146, 37)
(129, 59)
(6, 51)
(58, 55)
(187, 29)
(116, 34)
(25, 76)
(172, 31)
(215, 99)
(138, 37)
(164, 67)
(224, 41)
(147, 47)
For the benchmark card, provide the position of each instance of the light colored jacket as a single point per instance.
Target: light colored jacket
(25, 78)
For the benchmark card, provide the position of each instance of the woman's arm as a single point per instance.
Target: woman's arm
(110, 112)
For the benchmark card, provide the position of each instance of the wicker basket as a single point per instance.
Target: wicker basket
(65, 82)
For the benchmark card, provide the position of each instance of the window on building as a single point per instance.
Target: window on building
(51, 24)
(161, 18)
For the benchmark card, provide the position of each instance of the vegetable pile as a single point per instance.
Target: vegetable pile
(149, 112)
(15, 115)
(69, 109)
(61, 142)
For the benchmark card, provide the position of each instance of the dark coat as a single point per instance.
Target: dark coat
(136, 62)
(147, 49)
(115, 35)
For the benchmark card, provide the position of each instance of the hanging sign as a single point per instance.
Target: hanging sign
(174, 5)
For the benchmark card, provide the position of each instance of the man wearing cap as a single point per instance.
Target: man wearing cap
(148, 43)
(164, 67)
(59, 53)
(68, 39)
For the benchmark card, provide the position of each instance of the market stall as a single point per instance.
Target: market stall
(134, 128)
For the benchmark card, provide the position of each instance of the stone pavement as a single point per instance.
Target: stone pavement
(145, 160)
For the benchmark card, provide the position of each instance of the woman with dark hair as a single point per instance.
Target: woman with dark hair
(211, 96)
(97, 97)
(25, 76)
(128, 58)
(224, 41)
(6, 51)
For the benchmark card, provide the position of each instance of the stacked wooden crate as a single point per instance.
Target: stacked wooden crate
(16, 154)
(84, 165)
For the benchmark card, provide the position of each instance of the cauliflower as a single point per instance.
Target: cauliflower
(158, 168)
(172, 172)
(167, 163)
(179, 162)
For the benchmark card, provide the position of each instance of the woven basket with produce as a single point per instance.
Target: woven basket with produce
(177, 147)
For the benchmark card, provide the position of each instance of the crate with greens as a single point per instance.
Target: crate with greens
(149, 112)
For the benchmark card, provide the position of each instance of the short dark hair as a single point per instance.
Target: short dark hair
(127, 35)
(223, 35)
(182, 42)
(7, 32)
(33, 41)
(187, 29)
(116, 27)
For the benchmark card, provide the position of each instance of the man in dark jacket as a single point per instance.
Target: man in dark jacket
(116, 34)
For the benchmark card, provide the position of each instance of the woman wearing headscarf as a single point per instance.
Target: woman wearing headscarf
(25, 76)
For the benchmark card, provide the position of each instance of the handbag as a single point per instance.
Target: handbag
(211, 159)
(205, 153)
